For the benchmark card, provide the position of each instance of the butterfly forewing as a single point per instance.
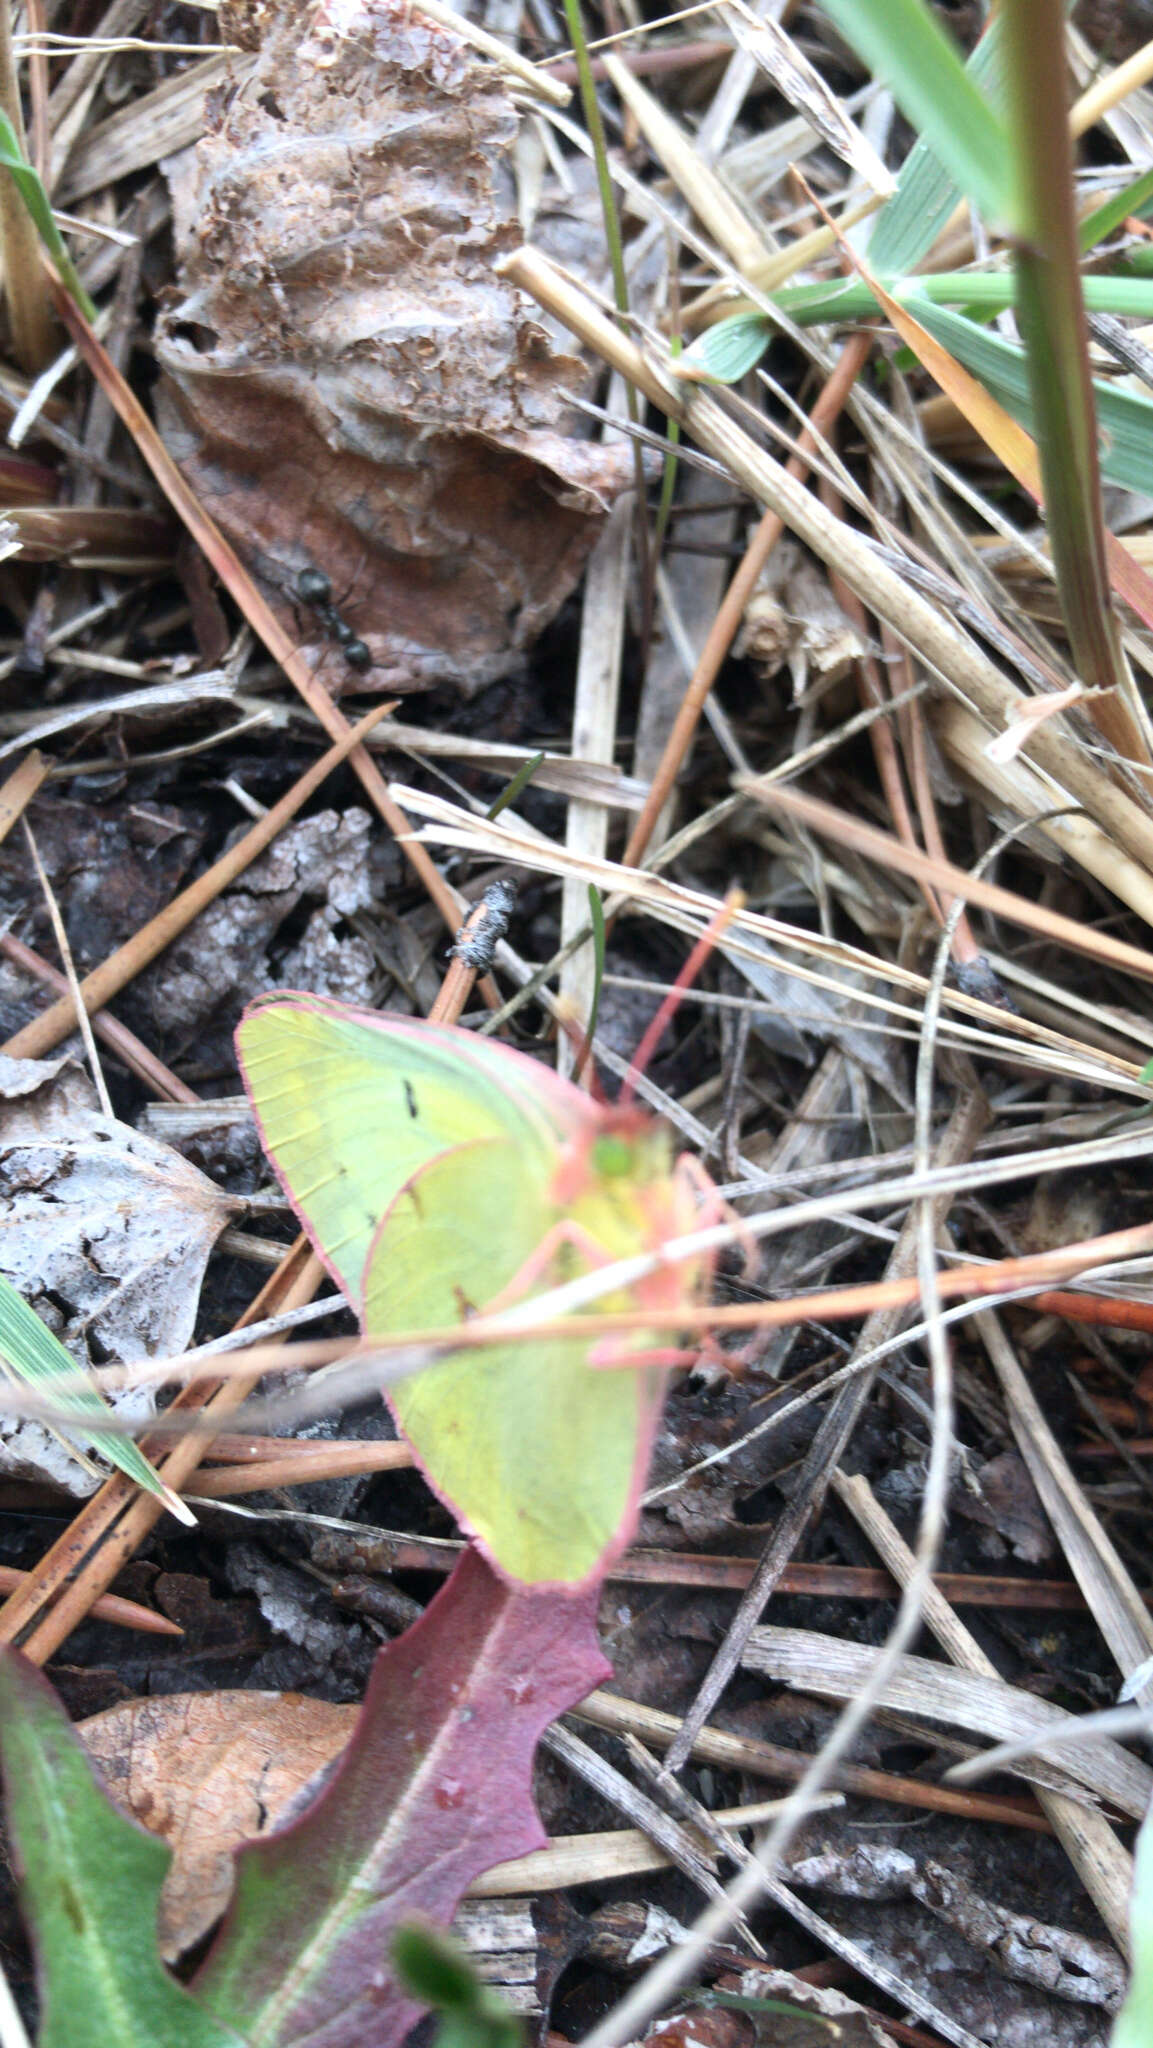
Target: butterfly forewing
(351, 1104)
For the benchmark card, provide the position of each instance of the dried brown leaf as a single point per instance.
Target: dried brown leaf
(205, 1772)
(348, 383)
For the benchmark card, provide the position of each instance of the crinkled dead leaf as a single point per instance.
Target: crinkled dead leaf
(104, 1232)
(348, 384)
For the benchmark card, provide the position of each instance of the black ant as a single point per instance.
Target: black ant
(314, 588)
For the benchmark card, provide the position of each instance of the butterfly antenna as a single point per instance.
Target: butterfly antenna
(655, 1031)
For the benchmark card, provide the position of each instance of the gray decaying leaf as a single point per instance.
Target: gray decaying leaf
(328, 866)
(104, 1232)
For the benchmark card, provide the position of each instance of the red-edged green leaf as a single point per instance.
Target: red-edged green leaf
(90, 1885)
(434, 1787)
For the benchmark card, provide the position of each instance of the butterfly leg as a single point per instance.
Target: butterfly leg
(614, 1351)
(564, 1232)
(711, 1209)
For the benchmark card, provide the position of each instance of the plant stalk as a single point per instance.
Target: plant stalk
(1051, 314)
(25, 285)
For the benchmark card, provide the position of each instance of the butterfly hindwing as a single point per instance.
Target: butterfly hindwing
(539, 1454)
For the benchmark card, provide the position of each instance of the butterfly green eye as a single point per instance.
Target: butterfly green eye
(613, 1158)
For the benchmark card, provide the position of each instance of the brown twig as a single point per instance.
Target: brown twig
(1102, 1310)
(836, 1304)
(301, 1468)
(644, 63)
(771, 1760)
(18, 791)
(732, 608)
(111, 1607)
(384, 1555)
(136, 1056)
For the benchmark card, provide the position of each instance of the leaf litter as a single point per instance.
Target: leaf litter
(353, 391)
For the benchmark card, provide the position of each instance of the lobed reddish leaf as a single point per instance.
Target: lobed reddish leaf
(434, 1787)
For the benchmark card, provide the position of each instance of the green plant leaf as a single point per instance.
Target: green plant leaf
(904, 46)
(1124, 418)
(1132, 199)
(435, 1969)
(29, 1352)
(909, 223)
(726, 351)
(27, 182)
(985, 291)
(512, 790)
(600, 940)
(1134, 2024)
(90, 1885)
(734, 2001)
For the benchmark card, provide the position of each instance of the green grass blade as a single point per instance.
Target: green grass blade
(1125, 418)
(1132, 199)
(592, 113)
(512, 789)
(27, 182)
(905, 47)
(909, 223)
(1134, 2025)
(727, 350)
(30, 1353)
(1051, 316)
(985, 291)
(670, 468)
(599, 937)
